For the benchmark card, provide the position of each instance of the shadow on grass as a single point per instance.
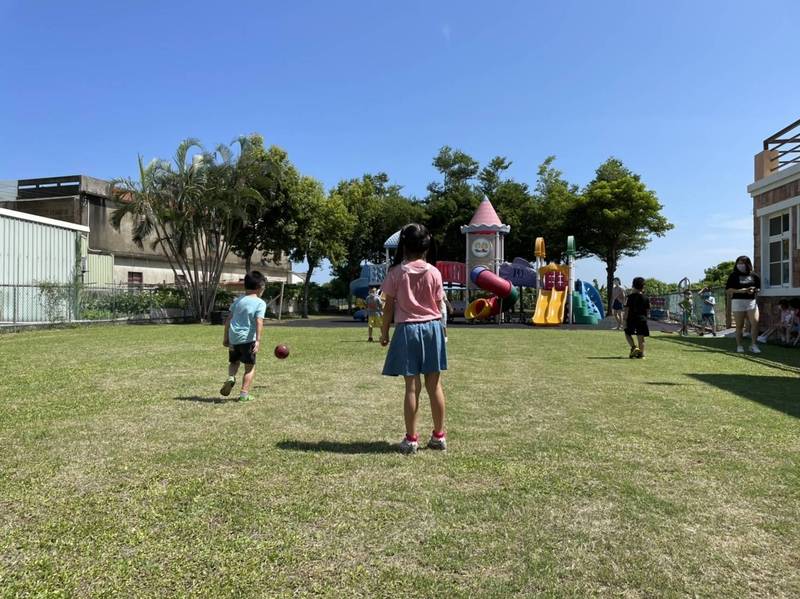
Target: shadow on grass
(351, 447)
(776, 392)
(781, 358)
(200, 399)
(608, 358)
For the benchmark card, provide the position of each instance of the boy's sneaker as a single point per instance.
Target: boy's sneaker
(740, 349)
(755, 349)
(407, 446)
(640, 354)
(439, 443)
(245, 397)
(227, 386)
(633, 352)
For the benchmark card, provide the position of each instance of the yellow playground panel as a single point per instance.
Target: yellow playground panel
(553, 295)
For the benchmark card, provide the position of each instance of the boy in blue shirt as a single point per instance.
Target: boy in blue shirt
(708, 317)
(243, 333)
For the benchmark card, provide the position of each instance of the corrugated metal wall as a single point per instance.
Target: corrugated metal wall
(100, 270)
(32, 253)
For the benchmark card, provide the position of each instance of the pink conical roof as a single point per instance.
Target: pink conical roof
(485, 214)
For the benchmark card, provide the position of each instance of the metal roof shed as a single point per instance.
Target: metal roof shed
(35, 250)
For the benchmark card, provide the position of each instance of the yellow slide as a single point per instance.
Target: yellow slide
(550, 307)
(551, 302)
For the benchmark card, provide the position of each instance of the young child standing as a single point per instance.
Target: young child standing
(446, 308)
(687, 306)
(708, 316)
(636, 308)
(374, 311)
(787, 320)
(413, 290)
(243, 333)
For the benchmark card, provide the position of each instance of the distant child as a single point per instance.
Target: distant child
(787, 320)
(636, 308)
(374, 312)
(794, 304)
(708, 316)
(446, 308)
(243, 334)
(414, 291)
(686, 306)
(618, 303)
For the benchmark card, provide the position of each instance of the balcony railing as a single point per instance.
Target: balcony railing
(786, 145)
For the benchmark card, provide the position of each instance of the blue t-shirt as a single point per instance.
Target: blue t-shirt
(244, 312)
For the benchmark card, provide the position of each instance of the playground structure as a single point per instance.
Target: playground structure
(587, 304)
(560, 297)
(506, 295)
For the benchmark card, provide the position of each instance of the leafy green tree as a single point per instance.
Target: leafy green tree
(656, 287)
(717, 276)
(451, 203)
(323, 227)
(361, 202)
(555, 200)
(490, 176)
(616, 216)
(267, 226)
(379, 209)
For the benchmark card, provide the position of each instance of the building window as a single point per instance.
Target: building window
(779, 250)
(135, 279)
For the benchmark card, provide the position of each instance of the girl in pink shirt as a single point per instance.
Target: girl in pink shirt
(414, 290)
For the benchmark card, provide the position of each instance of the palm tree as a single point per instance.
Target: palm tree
(188, 209)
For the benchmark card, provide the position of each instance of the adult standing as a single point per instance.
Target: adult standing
(618, 303)
(742, 287)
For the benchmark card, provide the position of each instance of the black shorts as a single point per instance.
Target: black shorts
(707, 318)
(242, 353)
(617, 305)
(637, 328)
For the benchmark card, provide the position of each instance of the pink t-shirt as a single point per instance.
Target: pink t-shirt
(417, 289)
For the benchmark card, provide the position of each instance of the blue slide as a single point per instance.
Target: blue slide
(595, 302)
(594, 295)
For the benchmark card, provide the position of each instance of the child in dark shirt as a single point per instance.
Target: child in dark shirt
(636, 308)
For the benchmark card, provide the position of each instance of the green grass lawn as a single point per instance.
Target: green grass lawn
(571, 471)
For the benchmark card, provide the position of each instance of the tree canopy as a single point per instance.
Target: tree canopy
(616, 216)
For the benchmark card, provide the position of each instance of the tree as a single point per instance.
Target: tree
(717, 276)
(616, 216)
(451, 203)
(189, 210)
(489, 176)
(655, 287)
(554, 201)
(267, 226)
(379, 209)
(323, 226)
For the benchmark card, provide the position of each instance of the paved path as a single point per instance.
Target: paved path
(348, 322)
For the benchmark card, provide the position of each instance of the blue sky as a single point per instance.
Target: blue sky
(683, 92)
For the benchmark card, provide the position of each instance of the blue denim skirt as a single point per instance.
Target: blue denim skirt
(416, 348)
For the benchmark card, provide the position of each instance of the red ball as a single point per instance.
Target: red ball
(281, 351)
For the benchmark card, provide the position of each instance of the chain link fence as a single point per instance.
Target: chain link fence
(49, 304)
(666, 307)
